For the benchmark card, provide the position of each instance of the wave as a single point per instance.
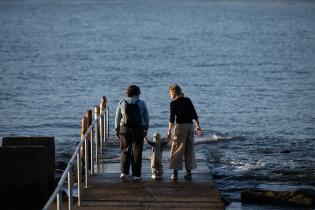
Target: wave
(215, 138)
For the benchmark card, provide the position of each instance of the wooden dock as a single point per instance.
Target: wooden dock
(107, 191)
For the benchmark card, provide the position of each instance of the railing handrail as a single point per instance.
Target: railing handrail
(65, 174)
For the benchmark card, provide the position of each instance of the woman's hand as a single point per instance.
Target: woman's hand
(169, 134)
(169, 130)
(198, 130)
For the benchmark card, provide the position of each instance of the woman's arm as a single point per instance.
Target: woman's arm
(195, 117)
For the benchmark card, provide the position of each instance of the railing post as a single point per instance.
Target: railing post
(84, 155)
(103, 107)
(102, 133)
(79, 178)
(91, 153)
(107, 124)
(97, 133)
(59, 200)
(86, 162)
(70, 187)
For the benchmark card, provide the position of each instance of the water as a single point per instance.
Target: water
(247, 65)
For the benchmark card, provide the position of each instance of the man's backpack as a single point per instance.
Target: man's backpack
(132, 115)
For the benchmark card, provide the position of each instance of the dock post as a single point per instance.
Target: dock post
(90, 136)
(84, 150)
(103, 103)
(102, 123)
(83, 131)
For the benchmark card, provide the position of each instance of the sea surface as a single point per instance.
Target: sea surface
(247, 65)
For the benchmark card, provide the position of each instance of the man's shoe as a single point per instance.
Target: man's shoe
(122, 175)
(136, 178)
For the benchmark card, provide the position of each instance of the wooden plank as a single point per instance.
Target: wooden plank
(140, 195)
(212, 207)
(151, 205)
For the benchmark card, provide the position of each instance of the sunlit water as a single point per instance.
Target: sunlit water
(248, 66)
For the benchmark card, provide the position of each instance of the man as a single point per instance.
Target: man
(131, 125)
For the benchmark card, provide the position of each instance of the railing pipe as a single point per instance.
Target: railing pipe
(57, 194)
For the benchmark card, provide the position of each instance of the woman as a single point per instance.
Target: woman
(182, 110)
(131, 125)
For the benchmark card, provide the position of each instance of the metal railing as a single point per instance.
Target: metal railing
(101, 131)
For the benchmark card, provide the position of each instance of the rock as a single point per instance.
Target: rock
(296, 198)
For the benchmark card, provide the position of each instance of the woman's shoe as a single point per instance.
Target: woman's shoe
(188, 175)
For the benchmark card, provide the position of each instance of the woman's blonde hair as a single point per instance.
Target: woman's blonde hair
(176, 89)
